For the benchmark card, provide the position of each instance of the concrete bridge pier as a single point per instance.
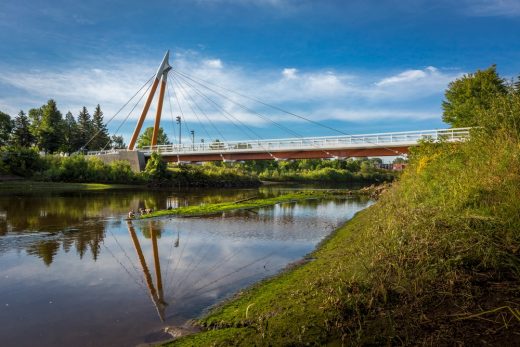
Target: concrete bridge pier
(136, 159)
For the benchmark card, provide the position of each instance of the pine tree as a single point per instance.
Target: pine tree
(21, 135)
(70, 134)
(102, 138)
(51, 128)
(85, 128)
(6, 125)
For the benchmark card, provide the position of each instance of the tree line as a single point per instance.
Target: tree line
(46, 129)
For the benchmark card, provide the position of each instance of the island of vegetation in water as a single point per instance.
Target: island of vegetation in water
(436, 261)
(246, 204)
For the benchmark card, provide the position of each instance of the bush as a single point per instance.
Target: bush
(20, 161)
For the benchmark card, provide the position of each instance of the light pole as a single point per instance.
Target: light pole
(179, 121)
(192, 139)
(202, 142)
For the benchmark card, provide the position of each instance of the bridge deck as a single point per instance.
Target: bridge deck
(383, 144)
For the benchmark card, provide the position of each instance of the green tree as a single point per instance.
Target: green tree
(35, 121)
(50, 134)
(6, 125)
(118, 142)
(85, 129)
(470, 94)
(156, 167)
(146, 138)
(70, 134)
(100, 130)
(21, 135)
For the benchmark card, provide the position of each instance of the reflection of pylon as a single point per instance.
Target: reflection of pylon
(177, 241)
(156, 295)
(162, 73)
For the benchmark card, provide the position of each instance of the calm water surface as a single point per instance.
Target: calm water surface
(74, 272)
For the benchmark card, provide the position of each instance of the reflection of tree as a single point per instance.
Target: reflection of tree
(72, 220)
(46, 250)
(155, 226)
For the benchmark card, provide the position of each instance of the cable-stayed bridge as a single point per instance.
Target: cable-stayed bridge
(192, 91)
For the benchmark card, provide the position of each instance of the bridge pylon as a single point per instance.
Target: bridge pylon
(160, 77)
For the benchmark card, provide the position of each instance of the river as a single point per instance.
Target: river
(74, 272)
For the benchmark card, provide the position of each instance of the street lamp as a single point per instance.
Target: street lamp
(192, 139)
(179, 121)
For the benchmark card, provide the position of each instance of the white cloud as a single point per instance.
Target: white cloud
(289, 73)
(213, 63)
(407, 76)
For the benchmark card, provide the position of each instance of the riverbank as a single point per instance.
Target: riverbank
(435, 261)
(25, 186)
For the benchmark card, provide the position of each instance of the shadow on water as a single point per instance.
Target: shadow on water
(75, 272)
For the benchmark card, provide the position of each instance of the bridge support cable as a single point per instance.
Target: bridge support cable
(228, 115)
(131, 110)
(115, 114)
(261, 102)
(201, 83)
(186, 95)
(280, 126)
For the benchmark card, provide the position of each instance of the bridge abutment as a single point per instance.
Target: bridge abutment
(135, 158)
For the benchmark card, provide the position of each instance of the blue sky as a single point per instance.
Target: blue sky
(359, 66)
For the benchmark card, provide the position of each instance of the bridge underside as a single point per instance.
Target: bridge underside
(303, 154)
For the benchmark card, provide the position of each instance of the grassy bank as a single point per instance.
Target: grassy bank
(436, 261)
(10, 187)
(239, 205)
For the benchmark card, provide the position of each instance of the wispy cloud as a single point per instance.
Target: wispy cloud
(489, 8)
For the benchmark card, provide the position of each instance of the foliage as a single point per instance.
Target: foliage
(70, 134)
(118, 142)
(21, 135)
(50, 131)
(85, 129)
(146, 138)
(471, 94)
(6, 125)
(20, 161)
(102, 138)
(312, 170)
(78, 168)
(156, 168)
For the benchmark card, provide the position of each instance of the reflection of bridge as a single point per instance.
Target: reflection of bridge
(256, 148)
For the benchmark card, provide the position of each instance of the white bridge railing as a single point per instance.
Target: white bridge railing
(394, 139)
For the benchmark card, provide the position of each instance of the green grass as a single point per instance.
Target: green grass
(206, 209)
(9, 187)
(434, 262)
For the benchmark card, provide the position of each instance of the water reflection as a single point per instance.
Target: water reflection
(75, 272)
(157, 295)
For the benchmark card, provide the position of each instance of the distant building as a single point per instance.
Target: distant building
(393, 167)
